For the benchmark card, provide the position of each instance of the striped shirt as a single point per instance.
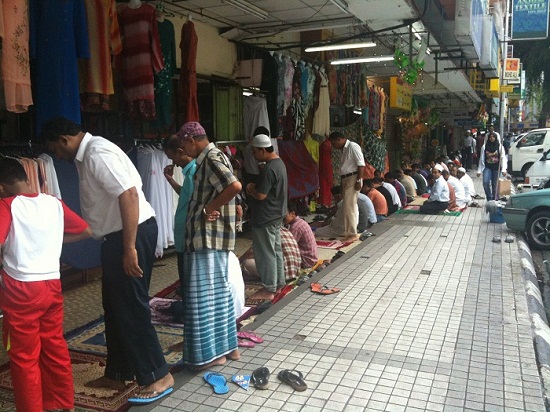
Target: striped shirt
(306, 241)
(214, 173)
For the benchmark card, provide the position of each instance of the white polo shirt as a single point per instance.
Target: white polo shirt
(352, 157)
(105, 172)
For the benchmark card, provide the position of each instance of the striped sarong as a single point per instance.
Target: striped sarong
(210, 329)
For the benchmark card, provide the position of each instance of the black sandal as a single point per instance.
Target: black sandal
(260, 378)
(293, 378)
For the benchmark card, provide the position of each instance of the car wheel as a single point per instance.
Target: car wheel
(525, 169)
(538, 230)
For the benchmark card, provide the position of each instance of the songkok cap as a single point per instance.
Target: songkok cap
(439, 167)
(261, 141)
(191, 129)
(461, 169)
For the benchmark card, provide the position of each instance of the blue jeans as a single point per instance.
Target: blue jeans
(490, 179)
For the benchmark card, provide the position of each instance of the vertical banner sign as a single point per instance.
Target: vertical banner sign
(511, 70)
(529, 19)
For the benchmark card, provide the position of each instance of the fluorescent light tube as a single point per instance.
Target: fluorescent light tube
(362, 60)
(341, 4)
(340, 46)
(249, 8)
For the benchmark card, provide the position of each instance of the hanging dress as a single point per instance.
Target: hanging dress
(16, 73)
(96, 73)
(141, 56)
(58, 38)
(164, 89)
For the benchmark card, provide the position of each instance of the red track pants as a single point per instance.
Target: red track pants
(40, 364)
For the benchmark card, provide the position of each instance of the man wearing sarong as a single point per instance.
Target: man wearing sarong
(210, 330)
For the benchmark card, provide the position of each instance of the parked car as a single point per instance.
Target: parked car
(527, 150)
(530, 213)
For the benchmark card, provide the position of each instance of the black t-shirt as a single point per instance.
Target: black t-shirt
(273, 182)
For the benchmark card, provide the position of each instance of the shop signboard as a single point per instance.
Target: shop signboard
(400, 94)
(529, 19)
(511, 70)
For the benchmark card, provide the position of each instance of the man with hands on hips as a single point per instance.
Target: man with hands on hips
(351, 172)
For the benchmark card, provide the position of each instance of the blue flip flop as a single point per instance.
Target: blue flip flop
(154, 396)
(217, 381)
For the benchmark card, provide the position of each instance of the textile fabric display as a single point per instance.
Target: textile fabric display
(141, 56)
(58, 37)
(326, 178)
(188, 74)
(321, 120)
(163, 79)
(255, 114)
(302, 170)
(16, 72)
(86, 253)
(150, 165)
(270, 86)
(96, 74)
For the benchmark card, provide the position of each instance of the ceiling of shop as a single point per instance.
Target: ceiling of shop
(387, 22)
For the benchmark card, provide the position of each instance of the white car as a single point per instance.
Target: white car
(527, 150)
(538, 173)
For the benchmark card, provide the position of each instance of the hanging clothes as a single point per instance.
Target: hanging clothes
(255, 114)
(16, 72)
(58, 37)
(150, 165)
(312, 147)
(270, 86)
(188, 74)
(321, 119)
(163, 80)
(141, 55)
(325, 173)
(96, 73)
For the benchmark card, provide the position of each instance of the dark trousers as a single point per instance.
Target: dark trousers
(433, 208)
(133, 348)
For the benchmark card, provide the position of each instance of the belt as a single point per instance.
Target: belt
(348, 175)
(119, 232)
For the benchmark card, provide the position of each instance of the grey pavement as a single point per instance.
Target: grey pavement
(432, 316)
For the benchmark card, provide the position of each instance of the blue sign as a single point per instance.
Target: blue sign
(529, 19)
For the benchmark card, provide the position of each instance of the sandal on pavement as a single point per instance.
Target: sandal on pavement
(245, 343)
(293, 378)
(217, 381)
(323, 290)
(250, 336)
(150, 396)
(260, 378)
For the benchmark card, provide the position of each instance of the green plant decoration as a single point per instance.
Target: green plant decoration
(409, 70)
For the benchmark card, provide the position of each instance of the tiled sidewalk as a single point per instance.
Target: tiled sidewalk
(432, 316)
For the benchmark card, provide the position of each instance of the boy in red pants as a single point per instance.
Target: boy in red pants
(32, 230)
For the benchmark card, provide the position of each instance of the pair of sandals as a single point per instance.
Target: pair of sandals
(323, 289)
(294, 378)
(248, 339)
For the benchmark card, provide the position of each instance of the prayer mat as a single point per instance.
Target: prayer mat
(415, 210)
(170, 292)
(85, 368)
(91, 339)
(161, 312)
(332, 244)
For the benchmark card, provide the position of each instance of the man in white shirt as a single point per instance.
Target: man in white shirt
(468, 183)
(440, 196)
(351, 173)
(113, 204)
(458, 188)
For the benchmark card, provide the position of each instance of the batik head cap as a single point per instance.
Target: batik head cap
(461, 169)
(439, 167)
(191, 129)
(261, 141)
